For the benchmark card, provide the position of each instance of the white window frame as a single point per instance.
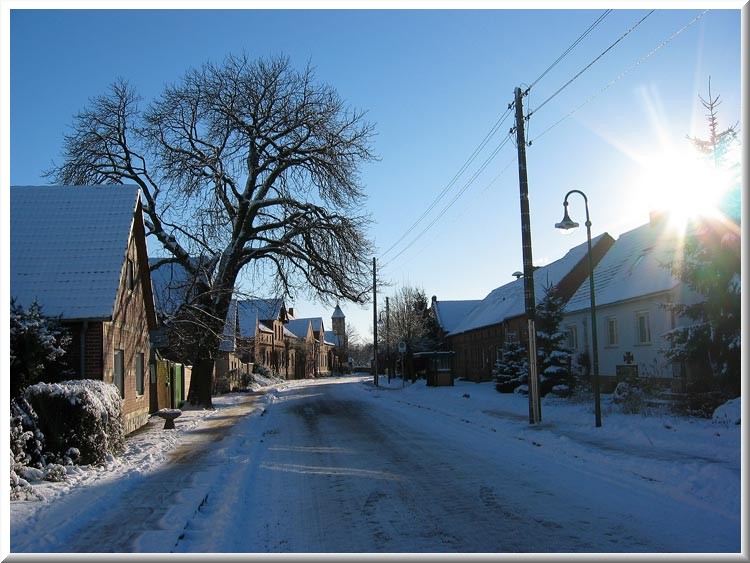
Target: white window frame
(571, 330)
(638, 333)
(613, 336)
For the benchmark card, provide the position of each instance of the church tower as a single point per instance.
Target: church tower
(338, 325)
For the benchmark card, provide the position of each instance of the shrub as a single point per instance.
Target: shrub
(37, 348)
(85, 415)
(629, 398)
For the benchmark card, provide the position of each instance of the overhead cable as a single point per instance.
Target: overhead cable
(584, 69)
(621, 75)
(572, 46)
(452, 201)
(455, 178)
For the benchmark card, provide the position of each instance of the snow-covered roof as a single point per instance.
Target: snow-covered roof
(250, 311)
(633, 267)
(338, 313)
(508, 301)
(298, 327)
(449, 314)
(68, 245)
(317, 323)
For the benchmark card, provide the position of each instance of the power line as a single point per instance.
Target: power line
(584, 69)
(487, 187)
(621, 75)
(452, 201)
(455, 178)
(569, 49)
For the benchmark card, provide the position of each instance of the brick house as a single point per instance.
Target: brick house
(80, 252)
(478, 335)
(266, 332)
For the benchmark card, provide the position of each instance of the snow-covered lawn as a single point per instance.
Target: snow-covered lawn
(691, 461)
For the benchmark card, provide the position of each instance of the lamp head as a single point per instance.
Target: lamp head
(567, 223)
(517, 274)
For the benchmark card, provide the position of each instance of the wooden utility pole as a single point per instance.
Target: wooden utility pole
(388, 338)
(375, 319)
(535, 403)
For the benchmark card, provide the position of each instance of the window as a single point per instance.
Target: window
(139, 374)
(643, 328)
(120, 371)
(612, 338)
(571, 337)
(129, 275)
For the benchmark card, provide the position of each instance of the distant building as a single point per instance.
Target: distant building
(80, 251)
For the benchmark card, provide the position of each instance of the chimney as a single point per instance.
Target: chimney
(290, 312)
(657, 217)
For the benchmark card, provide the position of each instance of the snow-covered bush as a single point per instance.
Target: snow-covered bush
(728, 413)
(262, 370)
(20, 489)
(26, 440)
(629, 398)
(85, 415)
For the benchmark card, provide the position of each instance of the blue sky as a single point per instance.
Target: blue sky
(433, 83)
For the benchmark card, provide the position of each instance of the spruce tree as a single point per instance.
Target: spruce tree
(710, 342)
(512, 369)
(553, 357)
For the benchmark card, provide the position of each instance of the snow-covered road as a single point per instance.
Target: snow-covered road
(337, 465)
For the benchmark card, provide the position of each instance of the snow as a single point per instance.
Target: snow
(729, 413)
(251, 310)
(634, 267)
(68, 245)
(298, 327)
(678, 478)
(450, 313)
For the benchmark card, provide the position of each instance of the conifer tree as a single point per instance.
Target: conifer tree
(553, 357)
(512, 369)
(710, 342)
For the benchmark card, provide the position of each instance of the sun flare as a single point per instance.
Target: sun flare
(683, 185)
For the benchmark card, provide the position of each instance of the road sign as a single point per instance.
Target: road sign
(402, 346)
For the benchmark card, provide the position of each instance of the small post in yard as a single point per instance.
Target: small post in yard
(535, 404)
(375, 320)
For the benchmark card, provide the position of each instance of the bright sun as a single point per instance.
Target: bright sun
(683, 185)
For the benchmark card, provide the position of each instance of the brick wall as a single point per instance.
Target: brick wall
(129, 331)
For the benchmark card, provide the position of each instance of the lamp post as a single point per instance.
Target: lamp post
(566, 224)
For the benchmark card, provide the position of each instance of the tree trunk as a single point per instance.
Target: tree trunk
(201, 383)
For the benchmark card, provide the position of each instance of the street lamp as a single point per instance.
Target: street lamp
(566, 224)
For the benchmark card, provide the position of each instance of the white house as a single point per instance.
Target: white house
(632, 283)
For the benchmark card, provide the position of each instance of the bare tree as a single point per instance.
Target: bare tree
(409, 320)
(246, 165)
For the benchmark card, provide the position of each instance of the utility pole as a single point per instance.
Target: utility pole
(375, 319)
(535, 403)
(387, 337)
